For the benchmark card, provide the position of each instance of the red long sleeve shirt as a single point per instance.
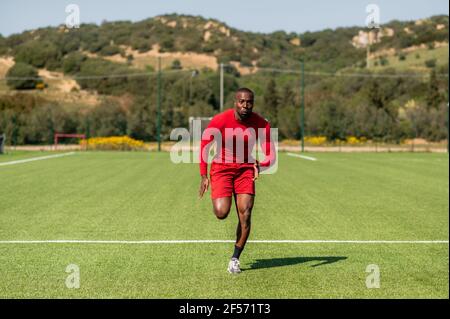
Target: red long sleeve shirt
(237, 140)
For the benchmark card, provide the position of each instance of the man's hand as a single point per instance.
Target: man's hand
(204, 184)
(256, 168)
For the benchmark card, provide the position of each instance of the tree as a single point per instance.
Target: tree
(141, 121)
(130, 59)
(332, 120)
(176, 65)
(167, 44)
(110, 50)
(108, 119)
(384, 61)
(430, 63)
(381, 93)
(287, 97)
(3, 46)
(434, 97)
(22, 77)
(288, 114)
(72, 62)
(271, 103)
(38, 53)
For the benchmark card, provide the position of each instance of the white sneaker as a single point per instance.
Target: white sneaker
(234, 266)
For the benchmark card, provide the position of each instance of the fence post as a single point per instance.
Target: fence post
(2, 142)
(302, 105)
(159, 105)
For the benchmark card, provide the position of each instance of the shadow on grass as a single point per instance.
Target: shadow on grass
(289, 261)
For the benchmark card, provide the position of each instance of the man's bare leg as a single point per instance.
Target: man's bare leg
(244, 205)
(238, 228)
(221, 207)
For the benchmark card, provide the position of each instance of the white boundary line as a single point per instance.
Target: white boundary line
(35, 159)
(147, 242)
(309, 158)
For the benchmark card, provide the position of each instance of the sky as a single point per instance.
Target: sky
(247, 15)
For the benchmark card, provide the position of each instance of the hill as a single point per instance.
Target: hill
(200, 42)
(85, 67)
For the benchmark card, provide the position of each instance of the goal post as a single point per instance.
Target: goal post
(197, 125)
(200, 121)
(58, 136)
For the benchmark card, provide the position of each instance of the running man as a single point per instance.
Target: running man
(234, 170)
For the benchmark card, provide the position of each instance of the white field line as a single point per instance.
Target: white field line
(148, 242)
(309, 158)
(32, 159)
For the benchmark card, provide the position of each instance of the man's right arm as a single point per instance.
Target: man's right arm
(204, 183)
(206, 142)
(205, 145)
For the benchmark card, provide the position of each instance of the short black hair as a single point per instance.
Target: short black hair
(246, 90)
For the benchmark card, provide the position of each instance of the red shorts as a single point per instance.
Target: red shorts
(230, 178)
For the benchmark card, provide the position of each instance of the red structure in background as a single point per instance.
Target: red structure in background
(58, 135)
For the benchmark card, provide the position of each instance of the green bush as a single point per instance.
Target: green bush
(72, 62)
(140, 44)
(176, 65)
(384, 61)
(39, 54)
(110, 50)
(430, 63)
(3, 45)
(130, 59)
(70, 43)
(245, 62)
(111, 78)
(22, 77)
(167, 44)
(97, 45)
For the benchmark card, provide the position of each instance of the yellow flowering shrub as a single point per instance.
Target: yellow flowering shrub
(290, 142)
(40, 86)
(315, 140)
(114, 143)
(352, 140)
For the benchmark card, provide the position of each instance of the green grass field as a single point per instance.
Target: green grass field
(143, 196)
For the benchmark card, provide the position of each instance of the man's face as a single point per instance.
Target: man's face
(244, 104)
